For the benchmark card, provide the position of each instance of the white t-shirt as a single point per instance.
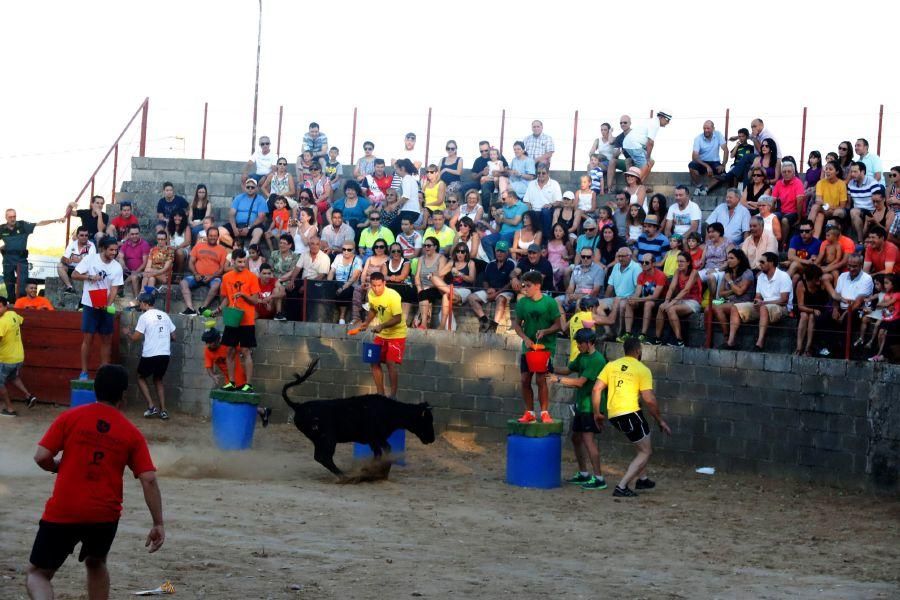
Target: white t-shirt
(681, 219)
(771, 289)
(263, 162)
(412, 155)
(74, 250)
(111, 273)
(409, 189)
(539, 197)
(638, 136)
(854, 288)
(157, 328)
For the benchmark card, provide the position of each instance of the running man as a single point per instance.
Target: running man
(628, 382)
(97, 442)
(536, 322)
(386, 305)
(158, 332)
(585, 369)
(12, 355)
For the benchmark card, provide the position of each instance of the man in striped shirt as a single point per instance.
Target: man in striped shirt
(860, 189)
(652, 241)
(539, 145)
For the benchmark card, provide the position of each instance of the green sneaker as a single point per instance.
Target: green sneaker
(228, 387)
(595, 483)
(579, 479)
(621, 339)
(642, 338)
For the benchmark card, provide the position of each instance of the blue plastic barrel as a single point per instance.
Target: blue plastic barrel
(82, 392)
(397, 440)
(534, 462)
(232, 424)
(371, 353)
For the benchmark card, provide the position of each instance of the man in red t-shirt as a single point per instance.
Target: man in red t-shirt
(271, 295)
(118, 226)
(651, 284)
(881, 255)
(97, 442)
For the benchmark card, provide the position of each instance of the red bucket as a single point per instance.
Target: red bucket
(98, 298)
(537, 360)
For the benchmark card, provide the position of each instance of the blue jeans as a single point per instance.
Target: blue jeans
(638, 156)
(488, 242)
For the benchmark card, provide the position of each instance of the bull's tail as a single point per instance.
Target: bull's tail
(298, 379)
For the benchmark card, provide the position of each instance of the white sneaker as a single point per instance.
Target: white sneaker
(702, 190)
(342, 322)
(365, 306)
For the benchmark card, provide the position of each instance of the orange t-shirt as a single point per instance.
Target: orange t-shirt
(209, 260)
(281, 219)
(37, 303)
(217, 358)
(244, 282)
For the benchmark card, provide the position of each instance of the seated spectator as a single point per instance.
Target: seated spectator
(313, 264)
(657, 205)
(736, 287)
(586, 280)
(649, 291)
(609, 246)
(346, 269)
(605, 217)
(335, 234)
(390, 210)
(695, 249)
(31, 300)
(315, 142)
(742, 153)
(833, 254)
(429, 269)
(247, 216)
(634, 224)
(378, 183)
(484, 178)
(861, 188)
(93, 217)
(853, 288)
(651, 241)
(365, 166)
(168, 204)
(509, 218)
(322, 193)
(255, 259)
(590, 238)
(634, 189)
(398, 277)
(271, 295)
(803, 250)
(756, 189)
(882, 215)
(281, 221)
(539, 145)
(160, 261)
(706, 160)
(199, 209)
(621, 281)
(278, 183)
(733, 216)
(376, 231)
(332, 168)
(133, 255)
(283, 262)
(435, 189)
(602, 147)
(468, 235)
(118, 225)
(887, 322)
(496, 289)
(771, 223)
(304, 200)
(758, 242)
(715, 256)
(871, 160)
(472, 207)
(813, 173)
(670, 259)
(206, 266)
(532, 261)
(521, 172)
(179, 238)
(261, 164)
(409, 239)
(451, 168)
(788, 193)
(353, 206)
(682, 299)
(569, 216)
(620, 210)
(640, 140)
(831, 198)
(684, 216)
(303, 229)
(813, 300)
(441, 231)
(774, 297)
(768, 161)
(543, 195)
(881, 255)
(622, 164)
(529, 234)
(461, 275)
(77, 249)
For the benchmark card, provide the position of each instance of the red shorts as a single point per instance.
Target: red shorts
(392, 350)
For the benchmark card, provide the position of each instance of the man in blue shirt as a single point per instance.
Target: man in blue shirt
(247, 216)
(733, 216)
(621, 283)
(652, 241)
(167, 205)
(705, 160)
(316, 142)
(803, 249)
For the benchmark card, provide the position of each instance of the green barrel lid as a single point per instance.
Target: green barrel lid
(81, 384)
(513, 427)
(234, 397)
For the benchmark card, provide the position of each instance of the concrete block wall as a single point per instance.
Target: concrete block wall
(818, 420)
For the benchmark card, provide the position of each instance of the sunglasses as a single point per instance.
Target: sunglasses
(251, 187)
(452, 201)
(806, 231)
(542, 172)
(461, 251)
(368, 148)
(432, 172)
(758, 175)
(646, 262)
(265, 143)
(451, 148)
(590, 229)
(586, 256)
(379, 247)
(346, 249)
(282, 164)
(428, 245)
(374, 218)
(623, 122)
(396, 251)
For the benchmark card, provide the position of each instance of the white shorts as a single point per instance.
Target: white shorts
(461, 293)
(482, 296)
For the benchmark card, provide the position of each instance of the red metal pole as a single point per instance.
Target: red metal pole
(144, 110)
(502, 129)
(353, 140)
(574, 139)
(727, 121)
(880, 125)
(427, 137)
(169, 290)
(651, 113)
(203, 146)
(68, 228)
(280, 115)
(115, 169)
(92, 191)
(803, 140)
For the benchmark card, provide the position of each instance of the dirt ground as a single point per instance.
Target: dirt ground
(255, 524)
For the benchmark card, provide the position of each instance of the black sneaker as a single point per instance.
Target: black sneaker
(188, 312)
(756, 348)
(69, 290)
(264, 417)
(280, 317)
(624, 493)
(483, 324)
(31, 401)
(492, 327)
(727, 346)
(654, 341)
(676, 344)
(645, 484)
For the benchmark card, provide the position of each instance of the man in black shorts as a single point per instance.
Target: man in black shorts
(97, 442)
(628, 382)
(158, 332)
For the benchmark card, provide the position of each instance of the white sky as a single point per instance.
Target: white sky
(84, 67)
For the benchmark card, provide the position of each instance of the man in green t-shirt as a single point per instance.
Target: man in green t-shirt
(584, 371)
(536, 322)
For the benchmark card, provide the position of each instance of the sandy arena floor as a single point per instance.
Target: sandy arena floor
(254, 524)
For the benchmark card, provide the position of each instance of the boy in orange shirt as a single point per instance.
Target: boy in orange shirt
(215, 355)
(32, 300)
(281, 218)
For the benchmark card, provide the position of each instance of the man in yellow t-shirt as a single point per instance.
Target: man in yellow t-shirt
(628, 382)
(12, 355)
(385, 304)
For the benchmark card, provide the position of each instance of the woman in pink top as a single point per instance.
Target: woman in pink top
(682, 299)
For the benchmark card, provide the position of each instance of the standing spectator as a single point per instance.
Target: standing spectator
(881, 255)
(831, 197)
(332, 168)
(118, 225)
(705, 159)
(12, 355)
(92, 217)
(31, 300)
(889, 306)
(481, 177)
(789, 192)
(206, 266)
(87, 497)
(759, 241)
(520, 172)
(408, 186)
(539, 145)
(316, 142)
(365, 166)
(77, 249)
(168, 204)
(101, 273)
(451, 167)
(133, 254)
(390, 332)
(812, 304)
(870, 159)
(684, 216)
(803, 249)
(247, 215)
(651, 241)
(335, 234)
(261, 164)
(544, 195)
(621, 281)
(496, 289)
(536, 322)
(641, 139)
(158, 333)
(860, 188)
(682, 299)
(160, 262)
(278, 183)
(774, 295)
(733, 216)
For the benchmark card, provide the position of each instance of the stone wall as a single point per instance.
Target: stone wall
(815, 419)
